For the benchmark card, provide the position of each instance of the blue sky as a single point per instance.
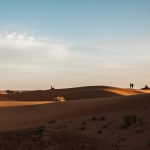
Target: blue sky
(77, 19)
(74, 43)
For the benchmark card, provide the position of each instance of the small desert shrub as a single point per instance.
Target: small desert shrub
(52, 121)
(84, 123)
(117, 146)
(103, 118)
(99, 132)
(122, 139)
(39, 131)
(93, 118)
(82, 128)
(9, 92)
(128, 120)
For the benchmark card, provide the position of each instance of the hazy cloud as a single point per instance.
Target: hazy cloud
(64, 63)
(23, 50)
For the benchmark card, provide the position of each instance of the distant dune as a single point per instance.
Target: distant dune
(70, 93)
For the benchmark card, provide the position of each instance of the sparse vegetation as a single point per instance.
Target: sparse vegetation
(103, 118)
(82, 128)
(128, 120)
(99, 132)
(52, 121)
(84, 123)
(132, 119)
(93, 118)
(9, 92)
(39, 131)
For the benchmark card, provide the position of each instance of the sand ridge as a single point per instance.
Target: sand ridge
(70, 93)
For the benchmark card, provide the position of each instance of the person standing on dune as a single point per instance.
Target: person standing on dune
(131, 85)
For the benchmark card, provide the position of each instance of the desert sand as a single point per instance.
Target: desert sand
(91, 118)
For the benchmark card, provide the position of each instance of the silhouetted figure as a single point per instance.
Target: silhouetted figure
(131, 85)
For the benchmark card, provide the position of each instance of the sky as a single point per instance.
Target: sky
(71, 43)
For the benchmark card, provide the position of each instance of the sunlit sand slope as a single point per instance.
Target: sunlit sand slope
(21, 103)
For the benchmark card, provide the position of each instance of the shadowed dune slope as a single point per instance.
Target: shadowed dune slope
(70, 93)
(16, 117)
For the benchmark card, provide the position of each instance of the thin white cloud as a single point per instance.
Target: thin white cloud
(127, 53)
(25, 50)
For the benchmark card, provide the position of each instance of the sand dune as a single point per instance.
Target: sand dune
(70, 94)
(14, 117)
(92, 119)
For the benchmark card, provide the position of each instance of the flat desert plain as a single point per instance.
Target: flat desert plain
(90, 118)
